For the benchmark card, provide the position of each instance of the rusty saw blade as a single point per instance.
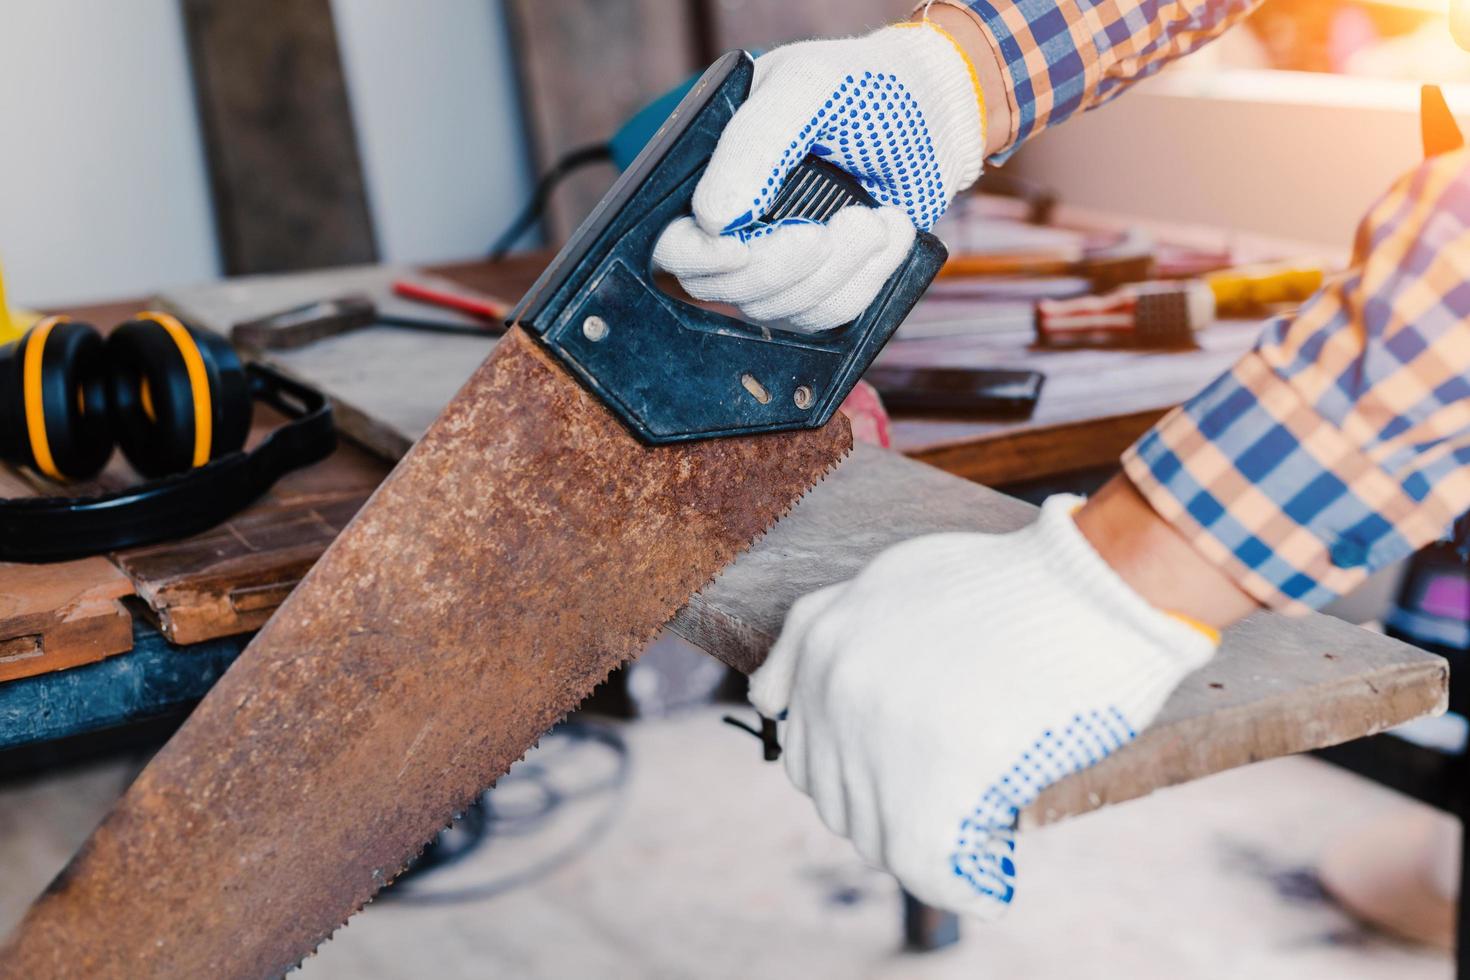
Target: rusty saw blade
(612, 455)
(523, 549)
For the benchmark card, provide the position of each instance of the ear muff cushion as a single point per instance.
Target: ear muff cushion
(163, 381)
(231, 387)
(53, 406)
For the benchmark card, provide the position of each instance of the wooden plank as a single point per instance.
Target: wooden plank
(1276, 687)
(230, 579)
(61, 615)
(1093, 405)
(283, 162)
(585, 67)
(1014, 453)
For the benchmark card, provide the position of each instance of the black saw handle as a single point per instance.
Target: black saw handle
(673, 371)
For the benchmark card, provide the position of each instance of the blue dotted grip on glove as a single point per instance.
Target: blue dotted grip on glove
(987, 837)
(874, 129)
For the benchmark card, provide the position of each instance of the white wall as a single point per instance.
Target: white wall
(103, 188)
(102, 182)
(1294, 156)
(434, 101)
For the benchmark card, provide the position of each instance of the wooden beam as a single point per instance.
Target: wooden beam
(278, 135)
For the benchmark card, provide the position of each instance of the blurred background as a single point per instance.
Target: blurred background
(106, 186)
(156, 145)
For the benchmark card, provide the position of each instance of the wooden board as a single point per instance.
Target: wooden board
(1277, 686)
(278, 135)
(57, 616)
(229, 579)
(1093, 405)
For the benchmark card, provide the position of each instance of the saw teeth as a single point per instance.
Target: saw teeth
(390, 879)
(642, 645)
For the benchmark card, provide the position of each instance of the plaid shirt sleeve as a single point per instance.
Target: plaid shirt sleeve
(1342, 441)
(1066, 55)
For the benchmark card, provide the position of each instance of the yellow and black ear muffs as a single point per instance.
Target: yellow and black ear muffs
(177, 401)
(171, 398)
(53, 403)
(177, 397)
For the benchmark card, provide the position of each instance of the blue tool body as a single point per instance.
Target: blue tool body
(673, 371)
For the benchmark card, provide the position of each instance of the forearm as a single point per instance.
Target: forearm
(1156, 560)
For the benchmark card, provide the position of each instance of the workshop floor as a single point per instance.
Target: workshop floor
(705, 865)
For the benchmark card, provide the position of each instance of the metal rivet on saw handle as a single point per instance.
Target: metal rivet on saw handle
(594, 328)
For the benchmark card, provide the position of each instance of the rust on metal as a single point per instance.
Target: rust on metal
(525, 547)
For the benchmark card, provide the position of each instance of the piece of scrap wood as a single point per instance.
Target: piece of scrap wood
(229, 579)
(1276, 687)
(61, 615)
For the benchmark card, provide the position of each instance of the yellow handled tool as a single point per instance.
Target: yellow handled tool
(1253, 288)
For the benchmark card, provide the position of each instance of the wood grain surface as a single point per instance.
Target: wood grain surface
(278, 135)
(61, 615)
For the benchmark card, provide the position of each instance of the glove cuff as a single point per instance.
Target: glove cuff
(957, 108)
(1178, 646)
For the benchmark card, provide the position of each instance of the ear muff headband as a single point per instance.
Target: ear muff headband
(198, 383)
(46, 529)
(35, 405)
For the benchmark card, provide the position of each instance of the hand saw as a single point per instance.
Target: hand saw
(616, 450)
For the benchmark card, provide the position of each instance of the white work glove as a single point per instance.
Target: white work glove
(933, 697)
(899, 109)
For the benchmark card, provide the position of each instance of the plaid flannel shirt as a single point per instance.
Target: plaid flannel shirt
(1342, 441)
(1066, 55)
